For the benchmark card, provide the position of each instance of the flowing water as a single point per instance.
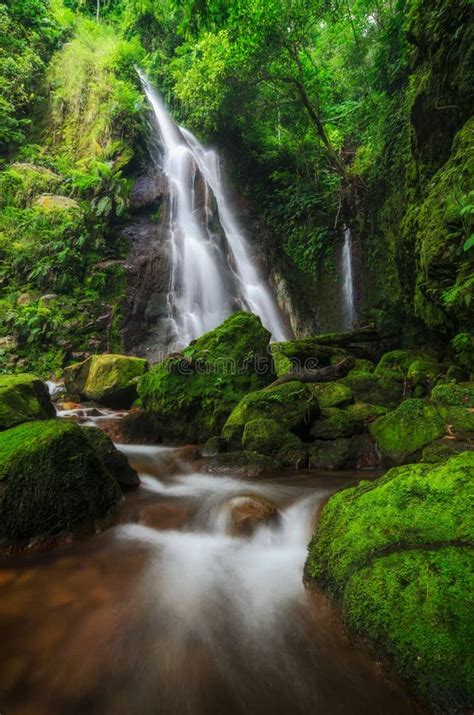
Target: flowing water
(213, 272)
(168, 613)
(349, 315)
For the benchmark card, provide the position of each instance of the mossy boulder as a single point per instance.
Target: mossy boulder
(374, 389)
(52, 480)
(54, 202)
(23, 398)
(332, 394)
(443, 449)
(396, 363)
(356, 452)
(306, 353)
(292, 405)
(190, 396)
(458, 420)
(336, 423)
(266, 436)
(454, 395)
(110, 380)
(425, 372)
(113, 459)
(402, 433)
(365, 411)
(395, 551)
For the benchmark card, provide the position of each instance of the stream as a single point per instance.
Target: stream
(166, 612)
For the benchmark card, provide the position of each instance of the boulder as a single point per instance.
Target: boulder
(23, 398)
(248, 464)
(247, 513)
(396, 552)
(52, 480)
(336, 423)
(110, 380)
(266, 436)
(190, 396)
(292, 405)
(365, 411)
(343, 453)
(113, 459)
(454, 395)
(402, 433)
(374, 389)
(443, 449)
(396, 363)
(303, 354)
(332, 394)
(53, 202)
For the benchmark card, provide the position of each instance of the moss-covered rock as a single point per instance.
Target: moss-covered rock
(292, 405)
(113, 460)
(443, 449)
(365, 411)
(332, 394)
(306, 353)
(415, 604)
(266, 436)
(189, 397)
(374, 389)
(23, 398)
(53, 202)
(108, 379)
(401, 433)
(425, 372)
(455, 395)
(52, 480)
(336, 423)
(395, 551)
(396, 363)
(459, 421)
(331, 454)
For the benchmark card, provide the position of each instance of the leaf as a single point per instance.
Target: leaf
(469, 242)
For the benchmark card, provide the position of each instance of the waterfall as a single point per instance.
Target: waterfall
(348, 308)
(212, 271)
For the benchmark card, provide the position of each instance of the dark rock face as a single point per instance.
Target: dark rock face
(148, 190)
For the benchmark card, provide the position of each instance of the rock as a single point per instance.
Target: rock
(443, 449)
(9, 342)
(454, 395)
(266, 436)
(113, 459)
(48, 299)
(395, 552)
(396, 363)
(459, 421)
(247, 513)
(292, 405)
(406, 430)
(24, 299)
(52, 202)
(424, 372)
(147, 190)
(23, 181)
(110, 380)
(332, 394)
(23, 398)
(303, 354)
(190, 396)
(366, 412)
(374, 389)
(52, 480)
(341, 453)
(249, 464)
(138, 428)
(336, 423)
(214, 445)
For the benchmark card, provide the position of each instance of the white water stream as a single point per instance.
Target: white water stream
(349, 315)
(213, 273)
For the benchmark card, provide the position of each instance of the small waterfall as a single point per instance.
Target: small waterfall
(212, 271)
(349, 315)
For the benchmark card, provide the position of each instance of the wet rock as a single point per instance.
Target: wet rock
(138, 428)
(110, 380)
(247, 513)
(268, 437)
(23, 397)
(402, 433)
(147, 190)
(113, 459)
(248, 464)
(214, 445)
(52, 480)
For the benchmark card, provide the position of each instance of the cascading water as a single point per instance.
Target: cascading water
(349, 315)
(212, 271)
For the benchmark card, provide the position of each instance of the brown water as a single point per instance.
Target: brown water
(165, 613)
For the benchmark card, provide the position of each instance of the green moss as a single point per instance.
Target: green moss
(332, 394)
(375, 389)
(416, 504)
(455, 395)
(443, 449)
(191, 396)
(306, 353)
(268, 437)
(21, 182)
(337, 453)
(109, 379)
(425, 372)
(459, 420)
(23, 398)
(407, 429)
(416, 605)
(396, 362)
(292, 405)
(53, 480)
(365, 411)
(336, 423)
(113, 460)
